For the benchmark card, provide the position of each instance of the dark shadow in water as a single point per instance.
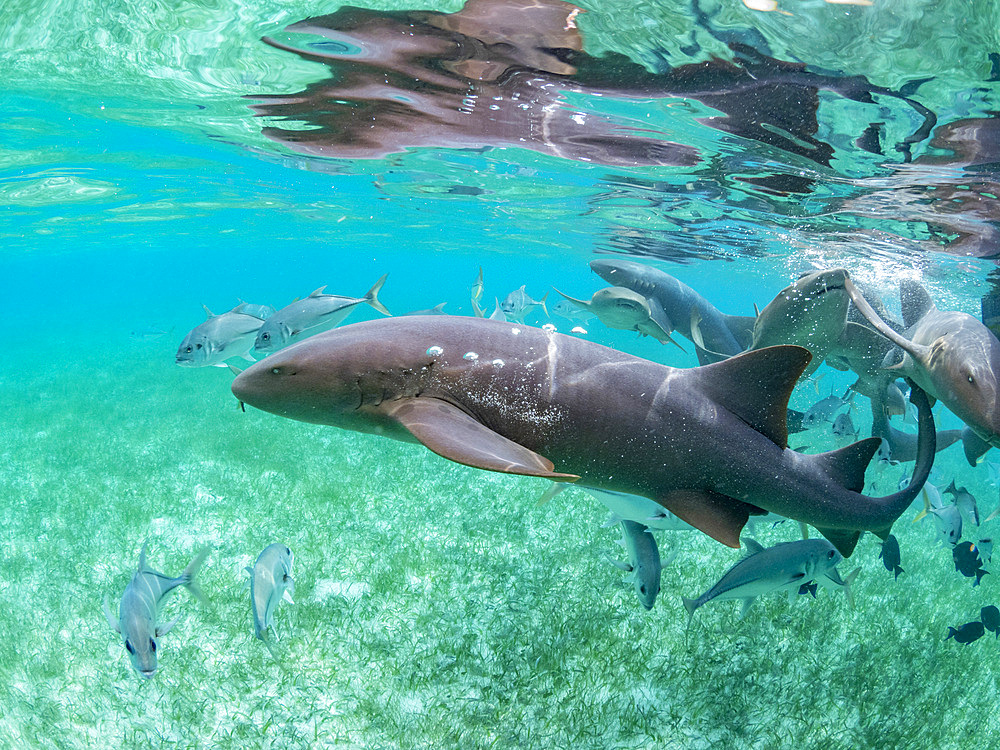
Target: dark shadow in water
(956, 196)
(505, 72)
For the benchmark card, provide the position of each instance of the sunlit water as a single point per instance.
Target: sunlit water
(156, 158)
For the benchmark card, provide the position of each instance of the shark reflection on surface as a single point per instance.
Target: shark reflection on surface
(513, 73)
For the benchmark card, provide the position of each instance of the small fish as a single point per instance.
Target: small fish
(890, 555)
(643, 561)
(270, 582)
(518, 305)
(968, 562)
(826, 409)
(884, 455)
(783, 567)
(843, 427)
(566, 309)
(639, 509)
(971, 631)
(949, 524)
(140, 605)
(809, 588)
(477, 294)
(985, 546)
(965, 501)
(438, 309)
(947, 517)
(314, 314)
(990, 617)
(219, 338)
(150, 333)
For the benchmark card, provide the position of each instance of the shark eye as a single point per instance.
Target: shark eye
(129, 647)
(152, 645)
(275, 370)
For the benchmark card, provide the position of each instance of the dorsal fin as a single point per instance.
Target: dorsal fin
(756, 385)
(914, 301)
(847, 465)
(845, 541)
(752, 545)
(318, 292)
(208, 313)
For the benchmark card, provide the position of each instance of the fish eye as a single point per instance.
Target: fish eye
(288, 550)
(152, 645)
(830, 555)
(265, 336)
(129, 647)
(189, 349)
(642, 589)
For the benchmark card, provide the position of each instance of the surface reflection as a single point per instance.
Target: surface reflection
(514, 73)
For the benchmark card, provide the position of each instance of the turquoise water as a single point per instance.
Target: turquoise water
(438, 605)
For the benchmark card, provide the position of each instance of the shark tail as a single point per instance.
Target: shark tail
(372, 297)
(189, 573)
(843, 466)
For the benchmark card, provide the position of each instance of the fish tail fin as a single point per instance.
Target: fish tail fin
(542, 303)
(189, 574)
(690, 605)
(847, 586)
(952, 632)
(372, 297)
(897, 570)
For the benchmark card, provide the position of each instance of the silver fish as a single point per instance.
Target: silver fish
(783, 567)
(139, 608)
(314, 314)
(518, 305)
(965, 501)
(221, 337)
(270, 582)
(825, 410)
(643, 561)
(477, 294)
(572, 312)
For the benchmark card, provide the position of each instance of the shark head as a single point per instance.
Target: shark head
(963, 368)
(339, 378)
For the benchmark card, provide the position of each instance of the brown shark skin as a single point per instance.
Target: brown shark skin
(953, 357)
(616, 421)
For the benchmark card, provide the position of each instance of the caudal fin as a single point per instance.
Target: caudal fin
(189, 573)
(372, 297)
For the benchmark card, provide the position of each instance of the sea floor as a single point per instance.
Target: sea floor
(436, 605)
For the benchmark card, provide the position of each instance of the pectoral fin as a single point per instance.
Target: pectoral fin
(721, 517)
(450, 432)
(162, 630)
(107, 613)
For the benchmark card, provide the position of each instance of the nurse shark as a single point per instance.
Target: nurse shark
(707, 443)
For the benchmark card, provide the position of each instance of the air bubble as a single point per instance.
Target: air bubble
(471, 356)
(435, 351)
